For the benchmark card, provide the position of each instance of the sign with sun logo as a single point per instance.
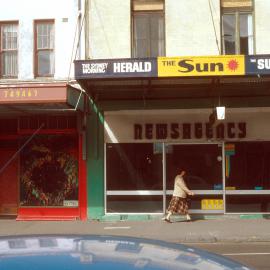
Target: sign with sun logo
(226, 65)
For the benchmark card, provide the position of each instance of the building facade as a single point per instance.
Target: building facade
(156, 77)
(151, 77)
(41, 147)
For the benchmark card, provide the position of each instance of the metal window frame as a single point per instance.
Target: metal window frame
(164, 192)
(224, 192)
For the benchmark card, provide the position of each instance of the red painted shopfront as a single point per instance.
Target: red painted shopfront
(42, 169)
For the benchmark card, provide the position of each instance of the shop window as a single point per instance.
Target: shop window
(49, 171)
(17, 244)
(237, 27)
(44, 48)
(9, 50)
(248, 177)
(132, 166)
(47, 242)
(248, 203)
(133, 178)
(202, 162)
(148, 29)
(247, 168)
(134, 204)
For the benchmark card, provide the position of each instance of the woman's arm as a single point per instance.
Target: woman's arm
(182, 184)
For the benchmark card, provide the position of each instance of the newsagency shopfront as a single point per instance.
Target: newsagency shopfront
(151, 117)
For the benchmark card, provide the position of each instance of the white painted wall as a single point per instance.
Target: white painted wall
(26, 12)
(262, 26)
(109, 26)
(189, 27)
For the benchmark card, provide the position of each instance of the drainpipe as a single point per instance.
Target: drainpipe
(79, 25)
(87, 30)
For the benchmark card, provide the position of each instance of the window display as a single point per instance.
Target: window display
(49, 171)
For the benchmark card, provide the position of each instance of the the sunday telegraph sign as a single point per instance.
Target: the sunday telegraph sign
(222, 65)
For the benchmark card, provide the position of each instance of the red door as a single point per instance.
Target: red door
(8, 181)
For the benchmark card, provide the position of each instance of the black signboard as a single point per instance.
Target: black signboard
(258, 64)
(115, 68)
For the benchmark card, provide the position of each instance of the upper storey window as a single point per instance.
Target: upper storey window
(9, 50)
(148, 28)
(237, 27)
(44, 48)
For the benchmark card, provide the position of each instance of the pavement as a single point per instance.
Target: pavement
(216, 229)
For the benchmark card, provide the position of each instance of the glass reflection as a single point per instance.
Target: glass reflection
(202, 162)
(106, 252)
(229, 26)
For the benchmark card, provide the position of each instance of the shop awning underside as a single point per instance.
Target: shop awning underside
(234, 91)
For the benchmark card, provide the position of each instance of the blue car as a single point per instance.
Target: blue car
(104, 252)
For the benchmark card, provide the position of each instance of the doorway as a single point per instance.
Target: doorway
(9, 190)
(204, 166)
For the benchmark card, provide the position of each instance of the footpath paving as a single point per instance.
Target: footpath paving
(219, 229)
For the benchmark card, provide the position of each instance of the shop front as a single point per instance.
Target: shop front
(226, 162)
(148, 121)
(42, 171)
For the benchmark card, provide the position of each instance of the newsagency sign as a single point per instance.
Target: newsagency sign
(116, 68)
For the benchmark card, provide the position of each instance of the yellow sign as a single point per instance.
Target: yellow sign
(229, 65)
(19, 93)
(230, 188)
(212, 204)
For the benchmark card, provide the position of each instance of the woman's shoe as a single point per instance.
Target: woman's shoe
(167, 220)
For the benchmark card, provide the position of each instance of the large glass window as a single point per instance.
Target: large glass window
(248, 165)
(134, 177)
(247, 177)
(237, 33)
(9, 50)
(240, 203)
(49, 171)
(148, 29)
(202, 162)
(134, 204)
(136, 180)
(44, 48)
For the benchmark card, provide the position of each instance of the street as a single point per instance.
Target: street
(252, 254)
(245, 241)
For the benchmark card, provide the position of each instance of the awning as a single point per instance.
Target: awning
(40, 98)
(172, 78)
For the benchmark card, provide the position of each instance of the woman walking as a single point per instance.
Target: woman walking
(178, 203)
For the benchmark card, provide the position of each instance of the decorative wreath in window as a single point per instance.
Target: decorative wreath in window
(49, 177)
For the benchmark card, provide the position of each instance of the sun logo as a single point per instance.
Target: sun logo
(232, 65)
